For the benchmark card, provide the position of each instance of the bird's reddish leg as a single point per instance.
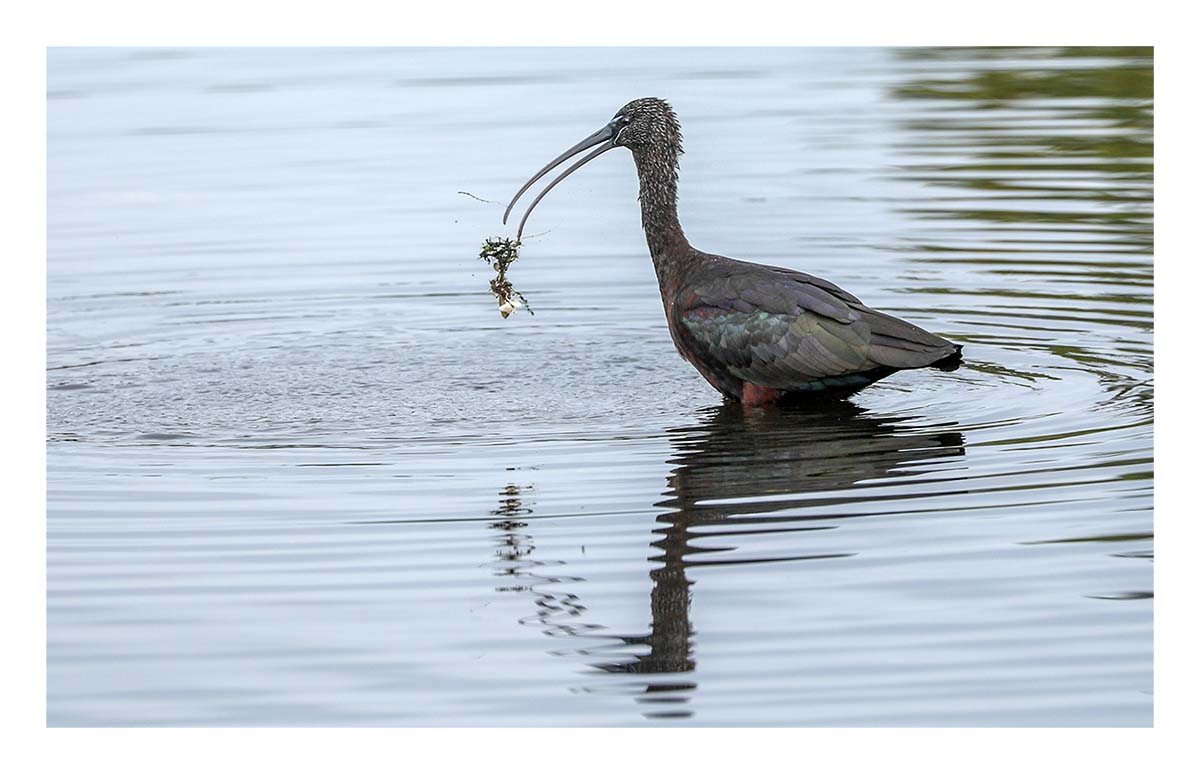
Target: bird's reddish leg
(753, 395)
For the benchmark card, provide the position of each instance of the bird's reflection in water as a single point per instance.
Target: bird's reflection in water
(557, 613)
(739, 469)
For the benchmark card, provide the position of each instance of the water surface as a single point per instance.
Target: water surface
(301, 472)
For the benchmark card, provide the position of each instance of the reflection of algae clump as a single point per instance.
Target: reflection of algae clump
(499, 253)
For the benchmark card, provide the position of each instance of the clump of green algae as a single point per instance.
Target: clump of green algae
(499, 253)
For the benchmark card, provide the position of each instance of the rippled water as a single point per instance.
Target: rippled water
(301, 472)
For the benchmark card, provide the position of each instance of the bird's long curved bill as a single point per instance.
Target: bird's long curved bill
(603, 138)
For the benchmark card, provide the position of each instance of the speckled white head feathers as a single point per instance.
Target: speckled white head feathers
(648, 122)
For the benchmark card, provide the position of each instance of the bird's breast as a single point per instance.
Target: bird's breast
(713, 373)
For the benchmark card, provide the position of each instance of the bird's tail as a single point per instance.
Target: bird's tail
(899, 344)
(950, 362)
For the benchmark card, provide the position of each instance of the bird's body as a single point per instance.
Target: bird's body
(761, 333)
(756, 333)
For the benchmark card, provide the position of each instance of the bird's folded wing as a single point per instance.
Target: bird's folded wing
(782, 351)
(895, 343)
(742, 287)
(783, 329)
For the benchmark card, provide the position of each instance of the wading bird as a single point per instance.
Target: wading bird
(758, 334)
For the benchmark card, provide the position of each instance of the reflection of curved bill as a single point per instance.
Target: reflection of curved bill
(556, 613)
(739, 469)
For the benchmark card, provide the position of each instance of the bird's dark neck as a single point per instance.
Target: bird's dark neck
(658, 175)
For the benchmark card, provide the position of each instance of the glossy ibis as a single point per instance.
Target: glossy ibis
(758, 334)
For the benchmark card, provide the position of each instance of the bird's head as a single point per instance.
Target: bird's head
(644, 125)
(647, 123)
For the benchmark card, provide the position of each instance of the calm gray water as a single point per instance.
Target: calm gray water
(302, 473)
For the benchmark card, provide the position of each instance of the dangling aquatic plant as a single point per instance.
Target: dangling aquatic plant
(499, 253)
